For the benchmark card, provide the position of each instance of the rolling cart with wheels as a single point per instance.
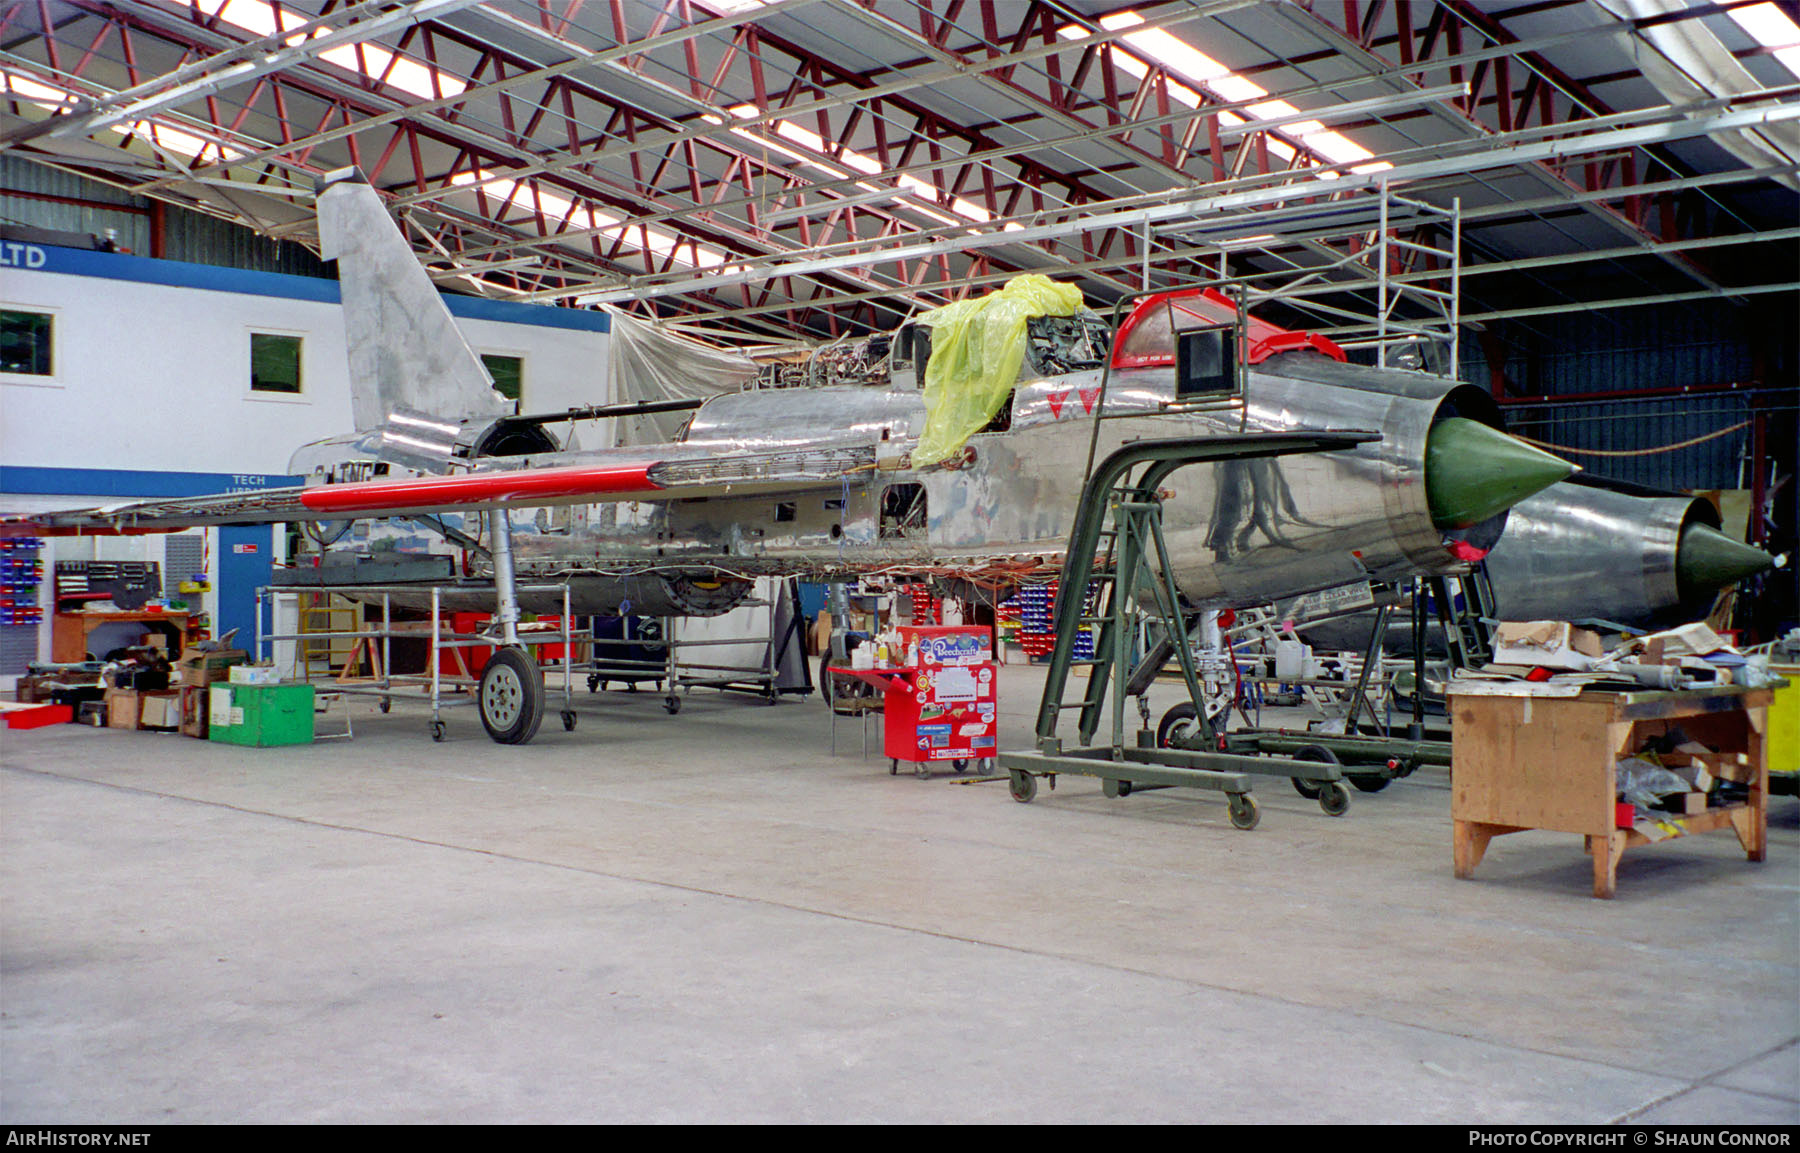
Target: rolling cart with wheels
(1116, 544)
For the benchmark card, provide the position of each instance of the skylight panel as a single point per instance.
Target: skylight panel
(1182, 58)
(1773, 28)
(867, 165)
(260, 19)
(575, 216)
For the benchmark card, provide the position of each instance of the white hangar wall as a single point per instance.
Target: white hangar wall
(149, 395)
(151, 366)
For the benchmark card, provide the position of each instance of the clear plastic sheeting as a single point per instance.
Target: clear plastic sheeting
(650, 363)
(977, 347)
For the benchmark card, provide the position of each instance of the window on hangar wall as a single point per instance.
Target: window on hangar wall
(274, 362)
(508, 373)
(25, 342)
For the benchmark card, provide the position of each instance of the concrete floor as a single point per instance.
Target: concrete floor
(711, 918)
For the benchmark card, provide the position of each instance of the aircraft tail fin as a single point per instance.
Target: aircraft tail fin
(405, 349)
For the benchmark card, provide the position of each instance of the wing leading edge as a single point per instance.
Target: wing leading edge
(744, 474)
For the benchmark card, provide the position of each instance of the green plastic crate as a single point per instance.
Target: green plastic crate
(261, 716)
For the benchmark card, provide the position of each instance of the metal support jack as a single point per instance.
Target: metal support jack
(1135, 575)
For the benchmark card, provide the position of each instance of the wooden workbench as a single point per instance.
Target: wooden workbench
(1522, 762)
(69, 632)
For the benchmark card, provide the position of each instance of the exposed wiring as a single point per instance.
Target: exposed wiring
(1634, 451)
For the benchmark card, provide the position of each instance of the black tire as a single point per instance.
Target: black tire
(1369, 784)
(511, 696)
(1317, 754)
(672, 704)
(387, 704)
(1175, 722)
(437, 730)
(961, 764)
(568, 720)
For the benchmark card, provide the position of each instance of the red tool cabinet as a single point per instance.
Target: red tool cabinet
(945, 707)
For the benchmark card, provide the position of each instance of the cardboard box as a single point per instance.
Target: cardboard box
(1546, 644)
(160, 710)
(122, 708)
(203, 668)
(195, 700)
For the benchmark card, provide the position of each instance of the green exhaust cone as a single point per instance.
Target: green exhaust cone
(1473, 472)
(1707, 560)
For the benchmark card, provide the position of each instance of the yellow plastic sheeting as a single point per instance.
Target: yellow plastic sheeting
(977, 347)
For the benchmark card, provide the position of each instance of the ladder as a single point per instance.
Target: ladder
(1117, 544)
(1465, 608)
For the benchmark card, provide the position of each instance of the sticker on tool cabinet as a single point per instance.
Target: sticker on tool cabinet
(956, 684)
(973, 729)
(932, 736)
(982, 743)
(955, 649)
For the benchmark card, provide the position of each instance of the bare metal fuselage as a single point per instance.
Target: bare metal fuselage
(1241, 532)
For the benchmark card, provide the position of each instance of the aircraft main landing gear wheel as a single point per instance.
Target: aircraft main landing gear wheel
(511, 696)
(1023, 787)
(1244, 814)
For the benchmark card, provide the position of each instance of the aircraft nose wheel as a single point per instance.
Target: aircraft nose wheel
(511, 696)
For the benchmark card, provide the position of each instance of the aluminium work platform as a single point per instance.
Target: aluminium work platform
(434, 686)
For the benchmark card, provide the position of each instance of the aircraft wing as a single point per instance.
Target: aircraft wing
(683, 478)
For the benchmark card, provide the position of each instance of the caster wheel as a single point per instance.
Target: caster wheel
(593, 684)
(1334, 799)
(672, 705)
(387, 704)
(1244, 814)
(893, 767)
(1023, 787)
(1371, 784)
(568, 720)
(961, 764)
(437, 730)
(1111, 788)
(922, 769)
